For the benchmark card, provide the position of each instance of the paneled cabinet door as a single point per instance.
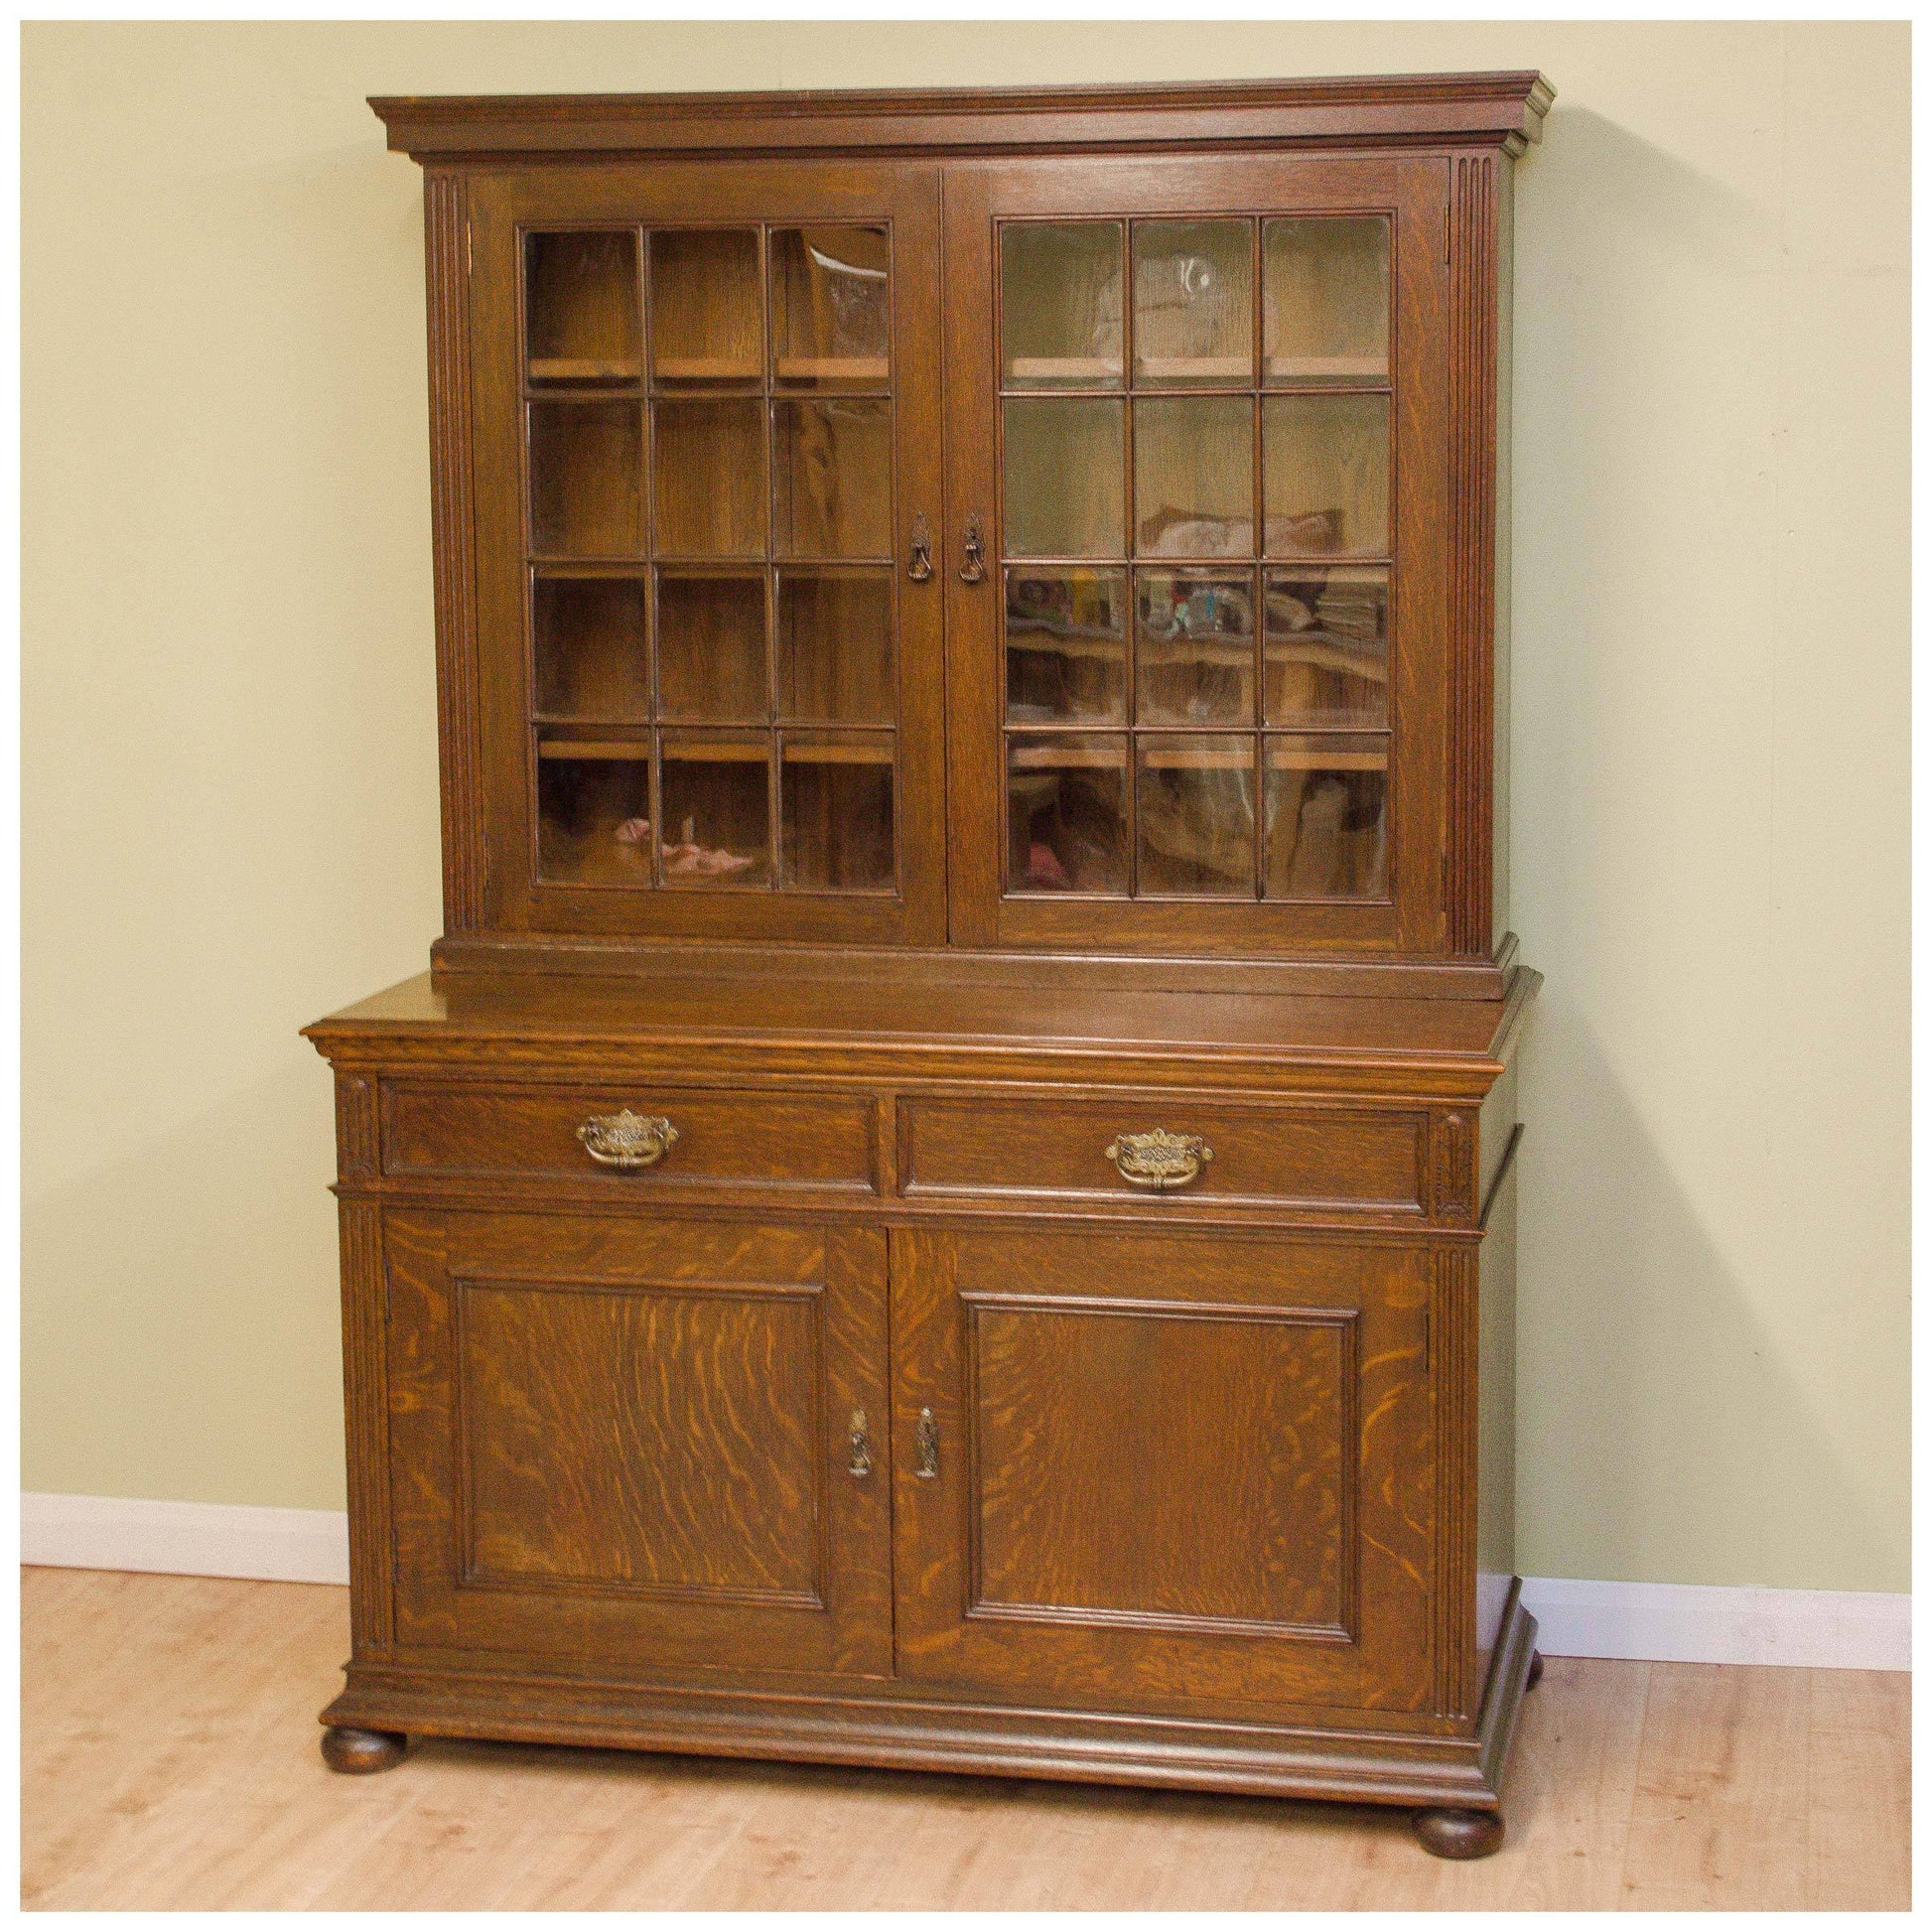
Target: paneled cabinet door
(1137, 1469)
(705, 408)
(639, 1445)
(1197, 422)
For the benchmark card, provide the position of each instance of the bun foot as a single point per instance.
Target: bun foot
(1536, 1670)
(1460, 1834)
(357, 1753)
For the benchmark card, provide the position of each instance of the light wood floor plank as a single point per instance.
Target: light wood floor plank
(1858, 1845)
(1719, 1818)
(169, 1761)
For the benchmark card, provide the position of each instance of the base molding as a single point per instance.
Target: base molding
(1362, 1766)
(1686, 1623)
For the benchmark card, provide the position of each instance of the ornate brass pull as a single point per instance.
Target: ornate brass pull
(926, 1435)
(1159, 1160)
(860, 1439)
(920, 565)
(626, 1139)
(973, 570)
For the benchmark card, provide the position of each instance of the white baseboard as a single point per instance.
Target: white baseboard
(1700, 1623)
(1688, 1623)
(284, 1546)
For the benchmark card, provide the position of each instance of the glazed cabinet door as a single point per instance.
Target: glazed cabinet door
(1163, 1471)
(707, 433)
(1196, 476)
(639, 1445)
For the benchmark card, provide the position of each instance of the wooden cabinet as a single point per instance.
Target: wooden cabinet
(947, 1200)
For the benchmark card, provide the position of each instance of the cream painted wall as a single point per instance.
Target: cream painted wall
(229, 760)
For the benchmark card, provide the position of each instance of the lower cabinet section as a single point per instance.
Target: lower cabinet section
(627, 1444)
(1096, 1469)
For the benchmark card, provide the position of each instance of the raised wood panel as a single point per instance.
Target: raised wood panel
(623, 1442)
(652, 1437)
(1162, 1466)
(757, 1140)
(1164, 1392)
(1040, 1150)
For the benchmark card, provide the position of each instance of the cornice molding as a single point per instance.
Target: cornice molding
(1503, 110)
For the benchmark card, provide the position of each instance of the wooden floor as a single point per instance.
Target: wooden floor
(169, 1760)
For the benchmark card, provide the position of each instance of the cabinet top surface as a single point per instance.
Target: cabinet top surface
(854, 1013)
(1504, 109)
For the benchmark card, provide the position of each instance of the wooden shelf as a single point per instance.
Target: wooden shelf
(691, 750)
(1327, 656)
(594, 747)
(582, 368)
(838, 754)
(1196, 368)
(834, 369)
(1300, 758)
(704, 369)
(1326, 369)
(1065, 368)
(1069, 758)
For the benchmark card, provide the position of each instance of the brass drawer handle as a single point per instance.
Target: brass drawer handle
(861, 1440)
(626, 1139)
(1159, 1160)
(927, 1436)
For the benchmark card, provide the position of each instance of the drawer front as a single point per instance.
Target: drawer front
(740, 1140)
(1300, 1157)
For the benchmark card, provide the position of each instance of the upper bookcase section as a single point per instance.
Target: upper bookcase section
(1424, 109)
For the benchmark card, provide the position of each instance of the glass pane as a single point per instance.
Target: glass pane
(835, 647)
(1194, 477)
(1324, 465)
(584, 302)
(1193, 647)
(1195, 812)
(706, 316)
(831, 312)
(586, 470)
(1326, 821)
(593, 812)
(711, 649)
(589, 647)
(1325, 299)
(1064, 457)
(1193, 302)
(838, 813)
(716, 824)
(1066, 814)
(708, 478)
(834, 478)
(1326, 647)
(1060, 304)
(1067, 646)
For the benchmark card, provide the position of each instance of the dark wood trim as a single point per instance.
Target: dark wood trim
(446, 233)
(1396, 977)
(366, 1406)
(1452, 1377)
(1504, 110)
(1471, 549)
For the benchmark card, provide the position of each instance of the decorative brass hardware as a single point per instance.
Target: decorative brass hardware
(973, 570)
(927, 1437)
(860, 1439)
(626, 1139)
(920, 565)
(1159, 1160)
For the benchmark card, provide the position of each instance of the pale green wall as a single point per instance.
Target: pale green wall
(231, 782)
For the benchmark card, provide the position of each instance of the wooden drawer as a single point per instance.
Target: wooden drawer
(739, 1139)
(1299, 1157)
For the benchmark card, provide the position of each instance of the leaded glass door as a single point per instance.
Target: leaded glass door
(707, 432)
(1193, 691)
